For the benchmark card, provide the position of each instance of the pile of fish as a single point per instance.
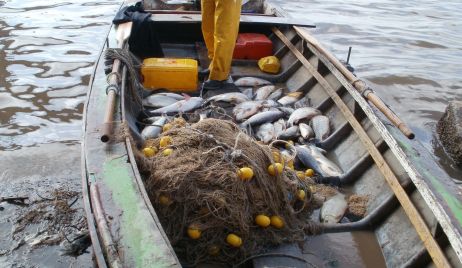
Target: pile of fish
(263, 111)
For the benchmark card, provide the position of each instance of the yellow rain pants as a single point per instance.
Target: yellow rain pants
(220, 26)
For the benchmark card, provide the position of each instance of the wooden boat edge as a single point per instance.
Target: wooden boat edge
(157, 250)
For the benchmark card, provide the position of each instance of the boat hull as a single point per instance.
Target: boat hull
(413, 215)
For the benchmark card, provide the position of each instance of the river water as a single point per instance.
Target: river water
(409, 52)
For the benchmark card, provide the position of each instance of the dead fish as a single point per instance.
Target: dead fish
(248, 91)
(290, 98)
(263, 117)
(321, 127)
(181, 106)
(152, 119)
(286, 110)
(246, 109)
(306, 131)
(275, 94)
(303, 102)
(312, 157)
(265, 132)
(333, 209)
(279, 127)
(232, 97)
(263, 92)
(172, 95)
(302, 113)
(270, 103)
(270, 109)
(154, 130)
(289, 133)
(158, 101)
(251, 82)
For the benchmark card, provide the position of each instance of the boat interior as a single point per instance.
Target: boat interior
(387, 235)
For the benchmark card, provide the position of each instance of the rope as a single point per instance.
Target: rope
(132, 64)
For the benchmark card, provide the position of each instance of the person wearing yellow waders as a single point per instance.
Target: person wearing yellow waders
(220, 26)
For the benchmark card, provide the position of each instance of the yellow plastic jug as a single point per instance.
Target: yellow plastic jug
(171, 74)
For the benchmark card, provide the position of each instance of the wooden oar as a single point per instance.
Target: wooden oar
(122, 33)
(361, 87)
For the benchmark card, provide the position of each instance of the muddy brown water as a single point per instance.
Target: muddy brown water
(409, 52)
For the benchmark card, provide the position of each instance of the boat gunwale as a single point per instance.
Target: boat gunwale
(91, 223)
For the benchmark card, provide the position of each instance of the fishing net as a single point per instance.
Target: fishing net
(197, 187)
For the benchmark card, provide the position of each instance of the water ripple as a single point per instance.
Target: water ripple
(47, 57)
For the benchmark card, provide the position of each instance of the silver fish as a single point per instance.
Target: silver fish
(321, 127)
(270, 108)
(232, 97)
(182, 106)
(246, 109)
(290, 98)
(303, 102)
(172, 95)
(265, 132)
(306, 131)
(275, 94)
(279, 127)
(263, 92)
(312, 157)
(289, 133)
(152, 131)
(270, 103)
(263, 117)
(251, 82)
(153, 119)
(333, 209)
(248, 91)
(286, 110)
(302, 113)
(158, 101)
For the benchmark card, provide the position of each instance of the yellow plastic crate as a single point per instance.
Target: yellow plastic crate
(171, 74)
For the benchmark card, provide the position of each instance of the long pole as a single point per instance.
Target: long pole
(361, 87)
(122, 33)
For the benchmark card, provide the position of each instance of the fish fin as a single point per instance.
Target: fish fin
(186, 96)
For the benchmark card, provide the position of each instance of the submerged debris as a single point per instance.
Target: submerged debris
(46, 220)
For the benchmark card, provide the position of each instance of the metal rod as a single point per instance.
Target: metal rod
(348, 57)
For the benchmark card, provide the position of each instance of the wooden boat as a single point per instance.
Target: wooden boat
(414, 213)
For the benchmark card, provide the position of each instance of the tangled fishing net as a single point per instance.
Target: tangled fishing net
(196, 187)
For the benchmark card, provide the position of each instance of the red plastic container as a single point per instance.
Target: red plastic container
(252, 46)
